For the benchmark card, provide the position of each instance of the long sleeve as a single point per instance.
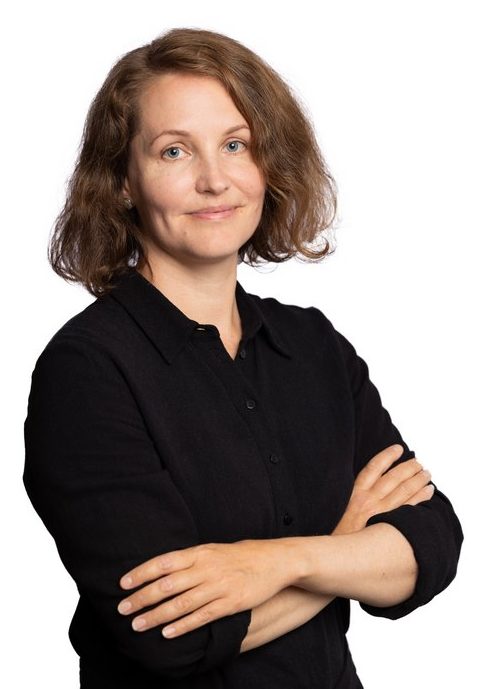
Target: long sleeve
(93, 475)
(431, 527)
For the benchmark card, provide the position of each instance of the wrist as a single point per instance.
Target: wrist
(311, 554)
(348, 525)
(301, 556)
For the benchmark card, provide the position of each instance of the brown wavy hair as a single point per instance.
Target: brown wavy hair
(96, 238)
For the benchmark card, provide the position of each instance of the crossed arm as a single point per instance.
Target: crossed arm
(375, 565)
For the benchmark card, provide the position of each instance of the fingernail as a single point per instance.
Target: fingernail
(126, 581)
(168, 631)
(139, 623)
(124, 607)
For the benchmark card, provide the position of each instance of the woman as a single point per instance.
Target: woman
(207, 459)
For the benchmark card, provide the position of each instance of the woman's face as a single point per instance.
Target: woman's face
(171, 175)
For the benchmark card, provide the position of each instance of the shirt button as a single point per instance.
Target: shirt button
(242, 354)
(288, 519)
(250, 404)
(274, 459)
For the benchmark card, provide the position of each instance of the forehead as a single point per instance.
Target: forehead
(185, 101)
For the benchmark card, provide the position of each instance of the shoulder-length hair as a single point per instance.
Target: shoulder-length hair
(96, 238)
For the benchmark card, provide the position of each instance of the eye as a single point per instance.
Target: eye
(172, 148)
(234, 142)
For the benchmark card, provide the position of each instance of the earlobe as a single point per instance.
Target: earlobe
(126, 194)
(126, 189)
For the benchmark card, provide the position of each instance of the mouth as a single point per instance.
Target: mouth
(214, 215)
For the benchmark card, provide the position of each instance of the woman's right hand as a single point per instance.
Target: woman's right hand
(378, 490)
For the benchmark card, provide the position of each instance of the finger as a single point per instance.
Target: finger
(379, 463)
(424, 494)
(406, 490)
(184, 604)
(162, 588)
(197, 619)
(394, 477)
(157, 566)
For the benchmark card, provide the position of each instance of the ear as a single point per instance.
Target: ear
(126, 188)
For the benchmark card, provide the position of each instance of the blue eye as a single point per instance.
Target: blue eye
(236, 142)
(177, 148)
(172, 148)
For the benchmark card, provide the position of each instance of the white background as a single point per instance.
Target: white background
(397, 92)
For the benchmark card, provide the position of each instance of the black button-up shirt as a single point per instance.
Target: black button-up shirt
(143, 435)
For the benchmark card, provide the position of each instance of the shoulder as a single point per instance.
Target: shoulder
(101, 321)
(286, 313)
(308, 329)
(297, 323)
(90, 336)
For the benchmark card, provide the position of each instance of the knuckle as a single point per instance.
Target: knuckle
(405, 491)
(408, 465)
(239, 603)
(421, 478)
(360, 482)
(165, 584)
(205, 615)
(390, 455)
(204, 549)
(409, 468)
(181, 604)
(426, 493)
(376, 460)
(164, 562)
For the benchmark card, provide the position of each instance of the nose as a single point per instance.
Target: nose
(211, 175)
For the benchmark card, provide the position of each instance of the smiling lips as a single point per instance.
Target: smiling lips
(214, 212)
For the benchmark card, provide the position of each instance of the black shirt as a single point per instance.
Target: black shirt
(143, 435)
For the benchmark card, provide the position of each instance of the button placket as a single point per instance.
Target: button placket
(246, 401)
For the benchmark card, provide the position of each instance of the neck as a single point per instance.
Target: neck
(206, 296)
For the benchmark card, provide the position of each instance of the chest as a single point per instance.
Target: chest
(259, 446)
(231, 345)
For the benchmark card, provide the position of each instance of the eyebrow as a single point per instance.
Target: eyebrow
(181, 132)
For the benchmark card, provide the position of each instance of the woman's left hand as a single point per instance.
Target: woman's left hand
(214, 580)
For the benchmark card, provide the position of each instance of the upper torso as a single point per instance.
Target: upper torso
(212, 442)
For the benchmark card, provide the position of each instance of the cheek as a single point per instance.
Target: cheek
(253, 183)
(165, 194)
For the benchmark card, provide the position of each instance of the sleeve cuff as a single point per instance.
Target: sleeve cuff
(426, 530)
(226, 636)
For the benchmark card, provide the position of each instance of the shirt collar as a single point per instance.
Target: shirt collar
(169, 328)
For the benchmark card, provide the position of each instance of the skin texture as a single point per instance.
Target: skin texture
(216, 579)
(194, 260)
